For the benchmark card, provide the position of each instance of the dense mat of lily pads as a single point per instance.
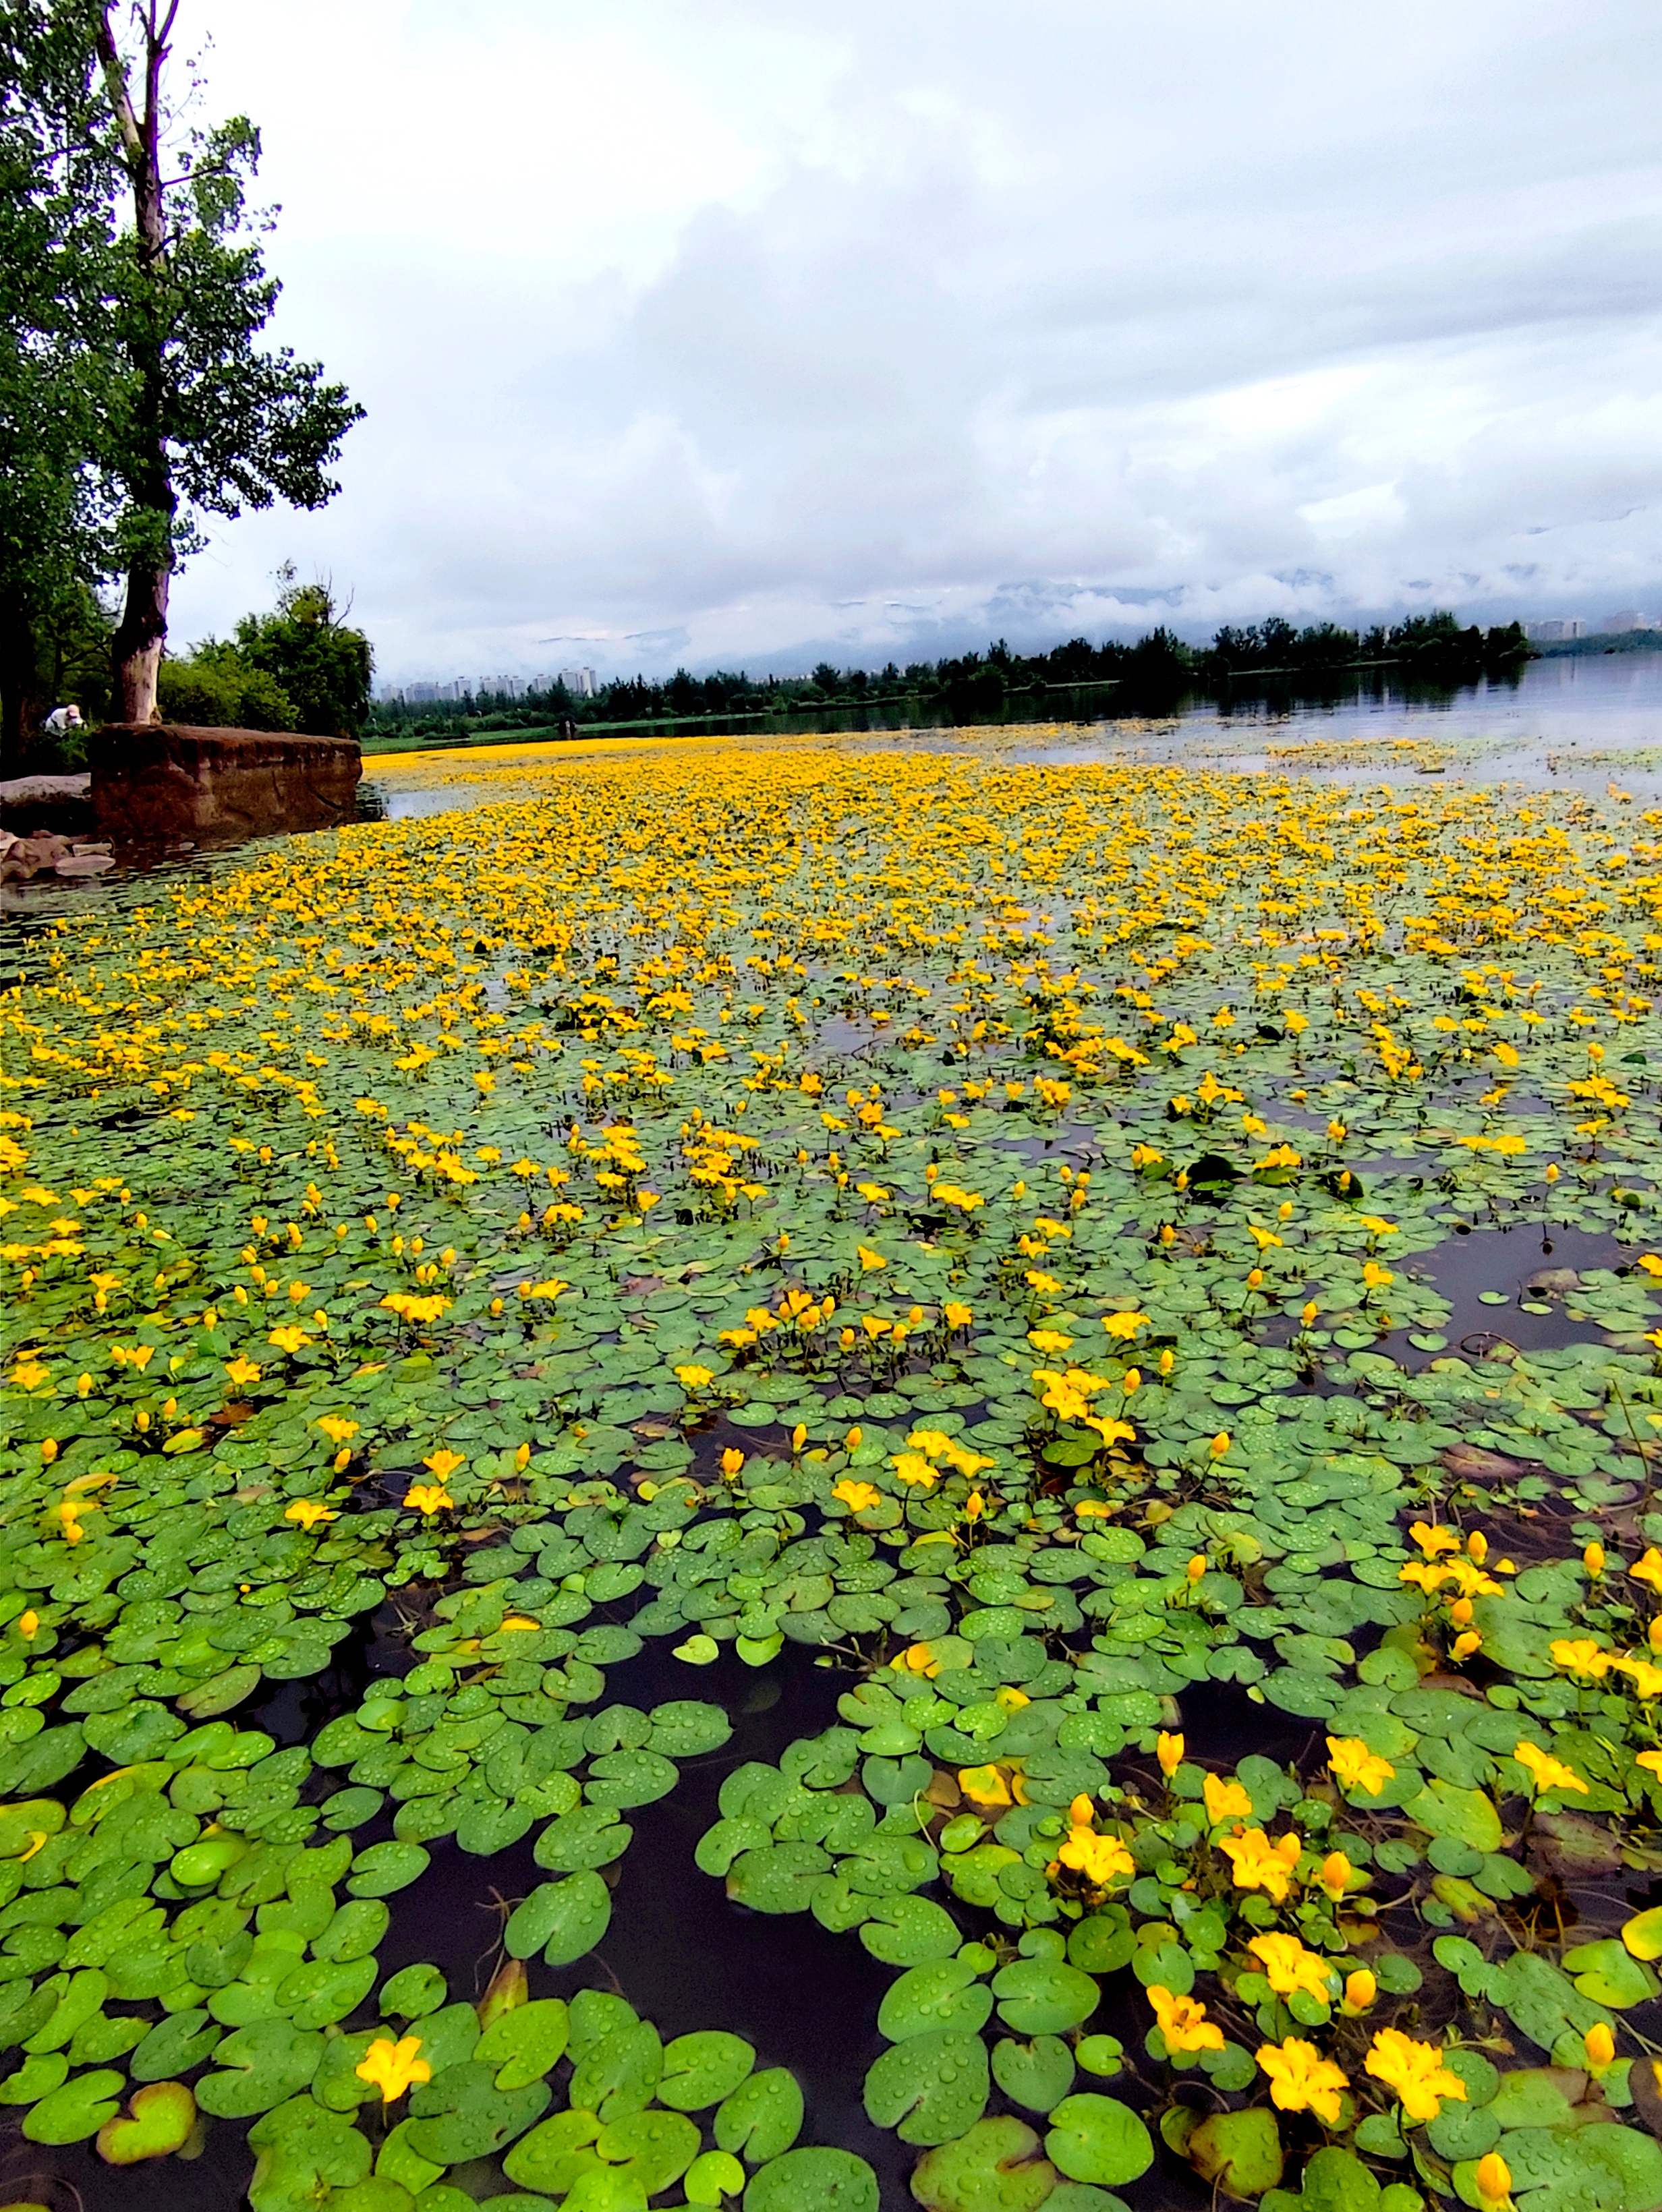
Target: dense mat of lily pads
(974, 1225)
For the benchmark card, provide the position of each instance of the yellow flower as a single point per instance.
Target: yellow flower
(28, 1626)
(1100, 1859)
(913, 1468)
(1219, 1444)
(1600, 2047)
(1549, 1773)
(1652, 1761)
(428, 1498)
(1648, 1569)
(1183, 2021)
(1288, 1966)
(869, 1261)
(1335, 1874)
(1168, 1749)
(1257, 1863)
(1433, 1542)
(308, 1512)
(1355, 1767)
(442, 1465)
(916, 1658)
(984, 1785)
(1494, 2180)
(732, 1460)
(1415, 2072)
(1302, 2080)
(1581, 1656)
(694, 1377)
(1225, 1801)
(288, 1339)
(857, 1496)
(393, 2066)
(242, 1371)
(1124, 1326)
(1592, 1558)
(1359, 1991)
(955, 1315)
(337, 1430)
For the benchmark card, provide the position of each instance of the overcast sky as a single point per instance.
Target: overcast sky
(740, 332)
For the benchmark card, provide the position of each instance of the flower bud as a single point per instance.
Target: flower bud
(1593, 1560)
(1359, 1991)
(1477, 1547)
(1600, 2049)
(1494, 2178)
(1168, 1749)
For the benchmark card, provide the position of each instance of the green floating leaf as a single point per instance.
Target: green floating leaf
(262, 2064)
(814, 2181)
(1044, 1997)
(702, 2069)
(653, 2148)
(1037, 2075)
(162, 2116)
(460, 2114)
(930, 2088)
(1642, 1934)
(698, 1651)
(564, 1920)
(526, 2043)
(1096, 2138)
(413, 1992)
(761, 2118)
(998, 2166)
(946, 1993)
(906, 1931)
(685, 1729)
(1608, 1973)
(383, 1868)
(711, 2177)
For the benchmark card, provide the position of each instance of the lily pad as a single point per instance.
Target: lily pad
(564, 1920)
(1044, 1997)
(1096, 2138)
(814, 2181)
(930, 2088)
(996, 2165)
(163, 2115)
(762, 2117)
(702, 2069)
(1037, 2075)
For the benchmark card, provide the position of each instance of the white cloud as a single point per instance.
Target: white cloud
(741, 331)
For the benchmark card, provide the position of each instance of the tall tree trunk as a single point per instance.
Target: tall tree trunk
(136, 648)
(19, 695)
(136, 645)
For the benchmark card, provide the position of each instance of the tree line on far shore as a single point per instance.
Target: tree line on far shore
(1151, 673)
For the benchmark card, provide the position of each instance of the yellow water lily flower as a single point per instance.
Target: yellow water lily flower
(428, 1498)
(1168, 1750)
(1353, 1766)
(1225, 1801)
(1256, 1863)
(1302, 2080)
(1182, 2020)
(1415, 2072)
(1548, 1773)
(1288, 1966)
(309, 1513)
(442, 1465)
(858, 1496)
(392, 2067)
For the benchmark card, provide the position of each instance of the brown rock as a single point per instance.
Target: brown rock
(164, 782)
(1555, 1282)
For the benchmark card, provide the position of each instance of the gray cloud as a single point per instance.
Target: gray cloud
(854, 331)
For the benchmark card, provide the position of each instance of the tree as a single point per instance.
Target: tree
(202, 418)
(55, 350)
(322, 665)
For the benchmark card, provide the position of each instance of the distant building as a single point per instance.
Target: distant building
(579, 682)
(1554, 633)
(1629, 618)
(500, 687)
